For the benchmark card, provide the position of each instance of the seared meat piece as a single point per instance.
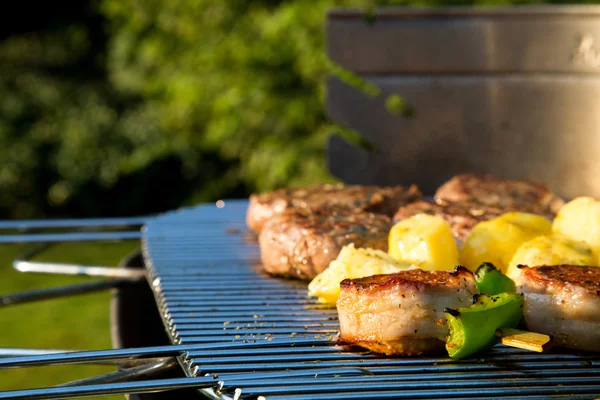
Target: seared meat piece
(461, 217)
(507, 195)
(402, 313)
(466, 200)
(380, 200)
(563, 301)
(300, 243)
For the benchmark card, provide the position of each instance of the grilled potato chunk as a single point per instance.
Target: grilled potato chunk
(352, 263)
(550, 250)
(497, 240)
(579, 220)
(426, 241)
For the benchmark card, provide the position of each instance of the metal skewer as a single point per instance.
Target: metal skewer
(85, 270)
(158, 385)
(6, 353)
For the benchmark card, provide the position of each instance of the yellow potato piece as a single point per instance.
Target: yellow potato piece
(550, 250)
(497, 240)
(579, 220)
(424, 240)
(352, 263)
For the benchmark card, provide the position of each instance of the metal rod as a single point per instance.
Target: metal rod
(73, 223)
(69, 237)
(85, 270)
(60, 291)
(96, 356)
(125, 363)
(158, 385)
(129, 374)
(15, 352)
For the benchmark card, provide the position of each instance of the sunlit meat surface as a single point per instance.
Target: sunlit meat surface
(563, 301)
(375, 199)
(300, 243)
(506, 195)
(402, 313)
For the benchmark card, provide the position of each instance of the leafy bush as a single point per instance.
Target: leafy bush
(130, 107)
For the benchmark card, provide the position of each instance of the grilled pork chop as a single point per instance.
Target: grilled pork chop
(300, 242)
(506, 195)
(563, 301)
(380, 200)
(461, 217)
(402, 313)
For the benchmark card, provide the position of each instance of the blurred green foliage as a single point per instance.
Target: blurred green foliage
(130, 107)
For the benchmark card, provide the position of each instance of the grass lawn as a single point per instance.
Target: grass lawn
(76, 322)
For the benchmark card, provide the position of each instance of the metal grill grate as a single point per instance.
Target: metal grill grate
(262, 336)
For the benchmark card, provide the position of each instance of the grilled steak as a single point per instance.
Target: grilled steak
(563, 301)
(506, 195)
(300, 242)
(402, 313)
(380, 200)
(461, 217)
(466, 200)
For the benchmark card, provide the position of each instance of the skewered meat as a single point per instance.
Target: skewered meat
(380, 200)
(402, 313)
(563, 301)
(300, 243)
(507, 195)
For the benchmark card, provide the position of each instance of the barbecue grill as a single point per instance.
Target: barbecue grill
(236, 332)
(200, 317)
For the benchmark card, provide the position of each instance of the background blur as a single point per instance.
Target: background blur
(122, 107)
(130, 107)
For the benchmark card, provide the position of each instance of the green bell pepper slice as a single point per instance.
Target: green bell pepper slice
(490, 280)
(473, 329)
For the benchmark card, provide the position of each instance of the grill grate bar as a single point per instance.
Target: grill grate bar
(245, 319)
(260, 342)
(267, 379)
(243, 314)
(252, 326)
(266, 365)
(300, 375)
(234, 297)
(273, 351)
(241, 284)
(253, 302)
(273, 332)
(241, 276)
(374, 361)
(401, 393)
(393, 395)
(238, 308)
(315, 386)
